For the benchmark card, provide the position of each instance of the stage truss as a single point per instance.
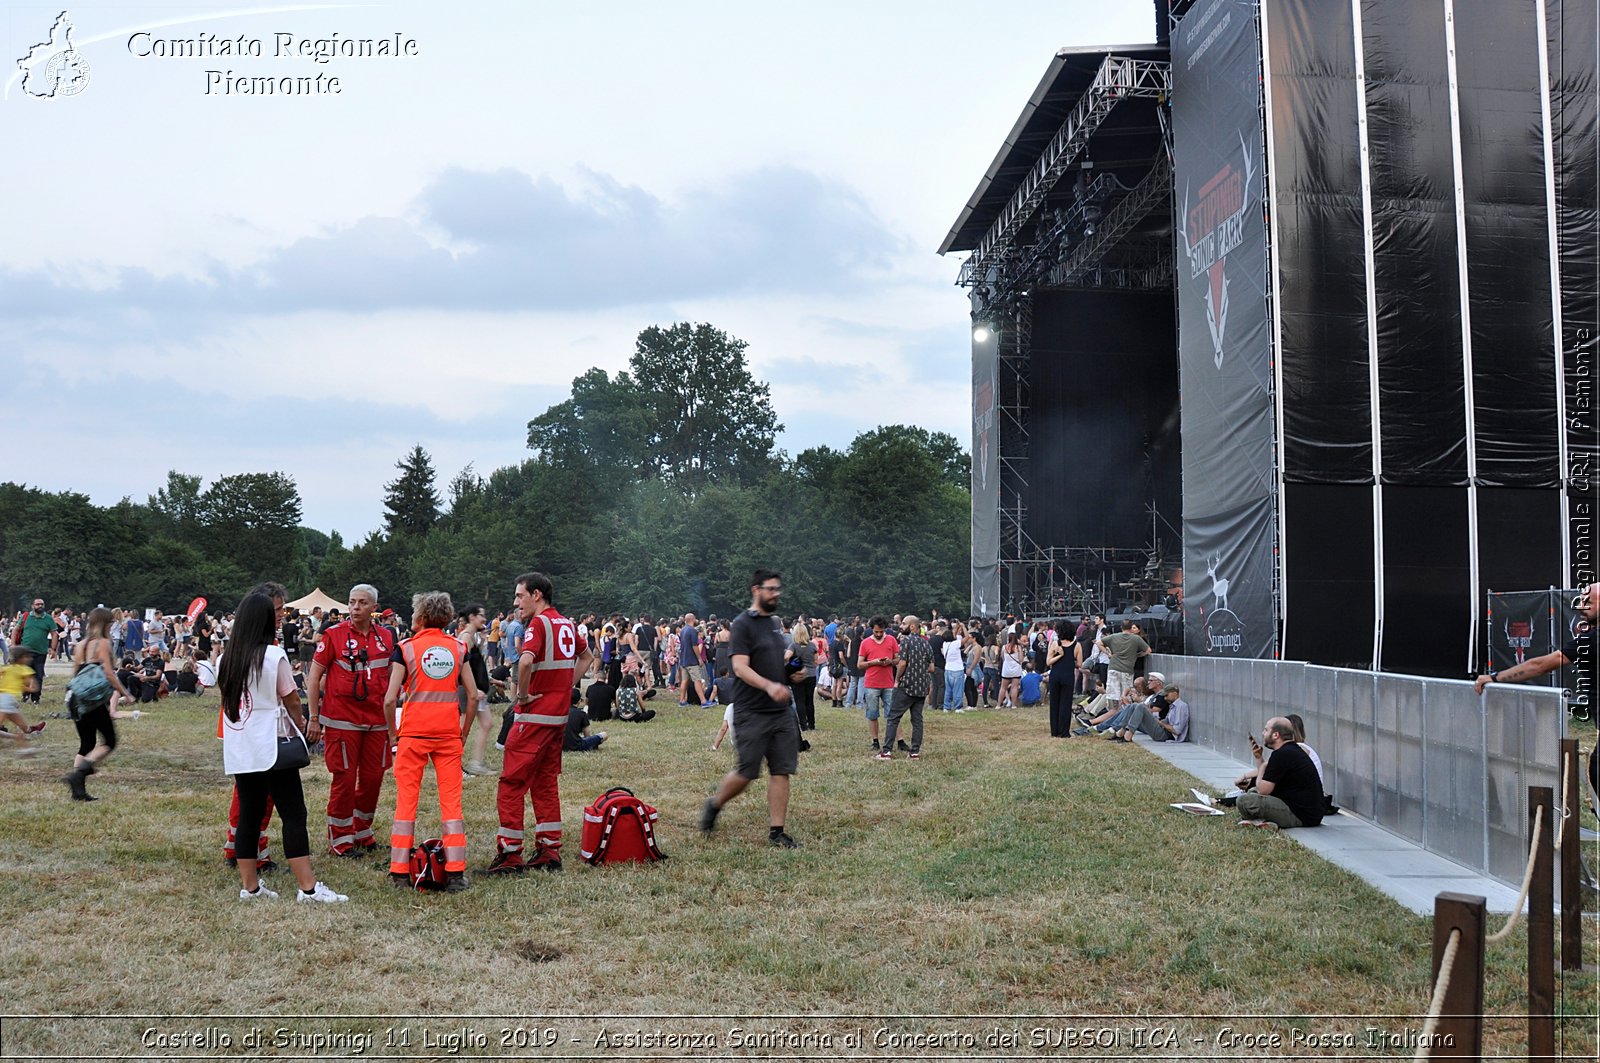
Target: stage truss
(1086, 239)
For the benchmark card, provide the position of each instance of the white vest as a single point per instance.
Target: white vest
(251, 745)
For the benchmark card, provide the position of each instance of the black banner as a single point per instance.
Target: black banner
(1523, 625)
(985, 472)
(1224, 345)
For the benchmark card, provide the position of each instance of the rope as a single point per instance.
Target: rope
(1561, 802)
(1440, 988)
(1527, 881)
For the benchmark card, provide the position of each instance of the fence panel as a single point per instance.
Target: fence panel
(1427, 759)
(1455, 764)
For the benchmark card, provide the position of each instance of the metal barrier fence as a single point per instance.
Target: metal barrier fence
(1427, 759)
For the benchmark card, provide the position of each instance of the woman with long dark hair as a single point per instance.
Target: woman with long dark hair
(469, 632)
(1062, 665)
(93, 720)
(260, 704)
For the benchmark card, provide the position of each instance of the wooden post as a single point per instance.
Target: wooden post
(1460, 1029)
(1571, 853)
(1541, 929)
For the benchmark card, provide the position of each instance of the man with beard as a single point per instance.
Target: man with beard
(764, 724)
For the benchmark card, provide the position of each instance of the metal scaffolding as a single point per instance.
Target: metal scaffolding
(1069, 249)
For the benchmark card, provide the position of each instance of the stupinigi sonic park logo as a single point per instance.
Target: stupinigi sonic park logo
(55, 68)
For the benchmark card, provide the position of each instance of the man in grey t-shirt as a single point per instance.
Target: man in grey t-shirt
(764, 723)
(1124, 648)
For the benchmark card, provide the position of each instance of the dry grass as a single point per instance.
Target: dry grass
(1003, 875)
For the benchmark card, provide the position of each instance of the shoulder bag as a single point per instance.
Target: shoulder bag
(293, 753)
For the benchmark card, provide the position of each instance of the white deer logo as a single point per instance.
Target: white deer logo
(1219, 586)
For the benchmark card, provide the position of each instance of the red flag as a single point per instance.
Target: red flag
(196, 607)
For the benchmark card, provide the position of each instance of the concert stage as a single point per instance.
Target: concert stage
(1289, 320)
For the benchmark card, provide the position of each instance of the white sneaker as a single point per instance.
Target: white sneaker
(477, 767)
(322, 895)
(261, 893)
(27, 751)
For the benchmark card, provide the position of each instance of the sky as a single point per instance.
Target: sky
(216, 282)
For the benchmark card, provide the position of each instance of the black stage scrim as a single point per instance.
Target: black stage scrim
(985, 473)
(1104, 423)
(1224, 345)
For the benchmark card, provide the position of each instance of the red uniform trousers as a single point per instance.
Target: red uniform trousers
(233, 827)
(357, 756)
(414, 755)
(532, 766)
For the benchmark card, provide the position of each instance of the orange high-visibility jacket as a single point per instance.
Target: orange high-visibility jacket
(433, 667)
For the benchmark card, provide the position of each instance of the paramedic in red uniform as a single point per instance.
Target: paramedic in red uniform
(430, 671)
(552, 659)
(352, 659)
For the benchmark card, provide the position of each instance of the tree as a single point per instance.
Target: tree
(710, 418)
(178, 503)
(606, 424)
(411, 505)
(254, 519)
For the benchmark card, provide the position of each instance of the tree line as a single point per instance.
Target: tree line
(656, 489)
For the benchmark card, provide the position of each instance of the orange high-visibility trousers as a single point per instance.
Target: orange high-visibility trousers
(414, 754)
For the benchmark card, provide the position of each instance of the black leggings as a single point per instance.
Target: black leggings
(1060, 703)
(805, 694)
(95, 720)
(284, 789)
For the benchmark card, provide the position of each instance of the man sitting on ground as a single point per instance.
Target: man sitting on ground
(1164, 717)
(576, 740)
(600, 698)
(1288, 792)
(1032, 686)
(1112, 718)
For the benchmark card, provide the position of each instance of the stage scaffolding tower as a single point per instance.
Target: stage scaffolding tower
(1068, 248)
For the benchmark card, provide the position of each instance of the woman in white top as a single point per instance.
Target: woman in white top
(259, 698)
(955, 673)
(1011, 669)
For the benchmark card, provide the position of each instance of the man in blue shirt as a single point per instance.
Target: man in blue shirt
(692, 664)
(133, 635)
(1031, 691)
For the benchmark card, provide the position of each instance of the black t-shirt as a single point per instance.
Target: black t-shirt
(761, 639)
(291, 633)
(854, 657)
(645, 636)
(600, 697)
(1295, 782)
(577, 720)
(479, 668)
(1579, 647)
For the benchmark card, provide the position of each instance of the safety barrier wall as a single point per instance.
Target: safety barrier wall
(1427, 759)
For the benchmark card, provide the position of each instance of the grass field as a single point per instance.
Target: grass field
(1006, 880)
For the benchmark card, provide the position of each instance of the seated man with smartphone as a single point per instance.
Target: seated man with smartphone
(1288, 790)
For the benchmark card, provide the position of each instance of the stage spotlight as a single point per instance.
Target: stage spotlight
(981, 333)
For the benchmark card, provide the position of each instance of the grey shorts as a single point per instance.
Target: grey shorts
(770, 736)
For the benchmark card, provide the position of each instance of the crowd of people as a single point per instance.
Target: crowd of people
(378, 693)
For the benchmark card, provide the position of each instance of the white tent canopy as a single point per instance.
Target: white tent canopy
(315, 600)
